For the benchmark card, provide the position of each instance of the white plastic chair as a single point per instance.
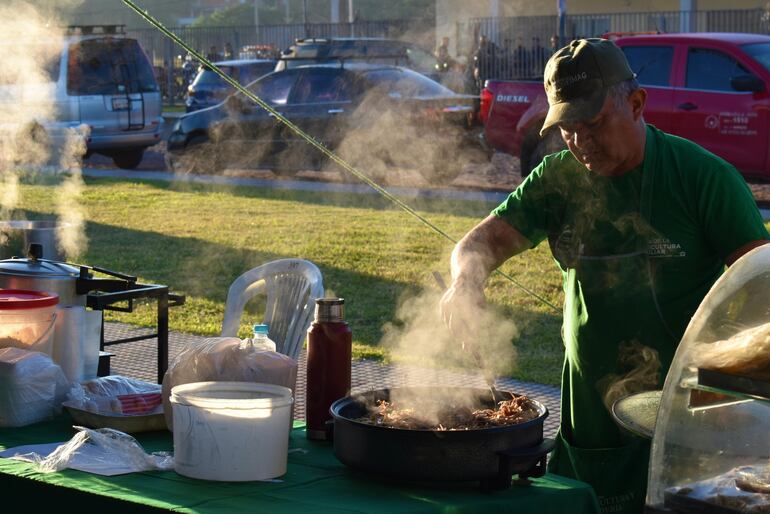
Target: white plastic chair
(291, 286)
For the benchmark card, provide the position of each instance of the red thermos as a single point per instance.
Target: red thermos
(329, 343)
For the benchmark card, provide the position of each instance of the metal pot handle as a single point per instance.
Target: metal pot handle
(545, 447)
(524, 462)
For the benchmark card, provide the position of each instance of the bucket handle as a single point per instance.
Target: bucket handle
(45, 334)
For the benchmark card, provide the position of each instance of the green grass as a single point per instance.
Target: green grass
(198, 239)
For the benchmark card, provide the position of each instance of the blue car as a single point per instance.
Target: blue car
(209, 89)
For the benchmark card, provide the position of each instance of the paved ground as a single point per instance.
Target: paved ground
(138, 360)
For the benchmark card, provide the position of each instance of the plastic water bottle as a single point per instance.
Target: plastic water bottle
(260, 339)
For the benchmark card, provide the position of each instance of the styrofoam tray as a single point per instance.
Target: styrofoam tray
(127, 424)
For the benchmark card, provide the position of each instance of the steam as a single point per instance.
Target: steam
(418, 334)
(641, 372)
(29, 142)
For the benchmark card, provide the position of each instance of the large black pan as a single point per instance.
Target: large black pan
(489, 455)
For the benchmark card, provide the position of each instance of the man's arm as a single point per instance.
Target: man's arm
(481, 251)
(743, 250)
(484, 249)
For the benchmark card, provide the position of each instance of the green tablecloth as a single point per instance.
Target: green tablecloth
(315, 482)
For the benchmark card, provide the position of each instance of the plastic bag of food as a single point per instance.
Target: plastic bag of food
(116, 394)
(227, 359)
(745, 353)
(32, 387)
(109, 449)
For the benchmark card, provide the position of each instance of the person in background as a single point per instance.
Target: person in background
(228, 53)
(641, 224)
(484, 60)
(444, 61)
(213, 54)
(554, 43)
(540, 56)
(522, 60)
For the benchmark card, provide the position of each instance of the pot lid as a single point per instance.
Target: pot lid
(638, 412)
(38, 268)
(17, 299)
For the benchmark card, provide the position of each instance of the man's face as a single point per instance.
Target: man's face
(601, 143)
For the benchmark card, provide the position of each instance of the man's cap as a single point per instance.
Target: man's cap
(577, 78)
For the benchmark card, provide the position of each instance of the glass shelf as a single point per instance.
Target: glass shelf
(712, 389)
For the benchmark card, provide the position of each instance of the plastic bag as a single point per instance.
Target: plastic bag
(32, 387)
(116, 394)
(111, 448)
(745, 353)
(226, 359)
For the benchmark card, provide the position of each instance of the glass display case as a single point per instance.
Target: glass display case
(711, 445)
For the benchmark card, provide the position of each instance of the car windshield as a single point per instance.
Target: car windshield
(109, 66)
(760, 52)
(244, 74)
(402, 83)
(207, 78)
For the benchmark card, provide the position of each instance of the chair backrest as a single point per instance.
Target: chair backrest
(291, 287)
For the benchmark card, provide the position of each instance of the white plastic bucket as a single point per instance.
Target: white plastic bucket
(231, 431)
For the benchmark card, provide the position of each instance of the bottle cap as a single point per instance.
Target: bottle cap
(260, 328)
(329, 310)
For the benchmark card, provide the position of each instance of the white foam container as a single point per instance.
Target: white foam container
(231, 431)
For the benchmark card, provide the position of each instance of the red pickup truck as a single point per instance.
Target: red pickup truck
(711, 88)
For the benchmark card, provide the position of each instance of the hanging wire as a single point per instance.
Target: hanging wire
(312, 141)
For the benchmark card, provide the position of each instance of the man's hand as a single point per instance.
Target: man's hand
(484, 248)
(461, 308)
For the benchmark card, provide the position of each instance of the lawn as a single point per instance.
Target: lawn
(197, 239)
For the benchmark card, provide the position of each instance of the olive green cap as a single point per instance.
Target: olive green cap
(577, 77)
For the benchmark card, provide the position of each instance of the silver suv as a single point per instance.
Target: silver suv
(103, 79)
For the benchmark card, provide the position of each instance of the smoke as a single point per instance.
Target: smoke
(32, 138)
(419, 335)
(640, 367)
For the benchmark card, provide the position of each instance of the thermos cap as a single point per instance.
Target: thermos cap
(329, 310)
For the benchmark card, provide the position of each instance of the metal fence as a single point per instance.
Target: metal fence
(516, 41)
(249, 41)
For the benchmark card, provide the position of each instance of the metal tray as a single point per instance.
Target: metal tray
(127, 424)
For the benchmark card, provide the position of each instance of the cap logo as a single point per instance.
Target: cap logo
(571, 79)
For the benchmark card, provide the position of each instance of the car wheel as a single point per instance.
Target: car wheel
(128, 159)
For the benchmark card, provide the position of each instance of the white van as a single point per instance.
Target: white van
(104, 80)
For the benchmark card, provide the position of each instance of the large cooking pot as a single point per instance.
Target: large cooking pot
(71, 282)
(489, 455)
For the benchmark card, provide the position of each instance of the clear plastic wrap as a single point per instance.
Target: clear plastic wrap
(32, 387)
(227, 359)
(745, 353)
(111, 448)
(116, 394)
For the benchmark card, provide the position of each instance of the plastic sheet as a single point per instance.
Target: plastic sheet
(116, 394)
(114, 447)
(227, 359)
(32, 387)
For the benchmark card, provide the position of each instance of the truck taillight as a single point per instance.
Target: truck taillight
(485, 105)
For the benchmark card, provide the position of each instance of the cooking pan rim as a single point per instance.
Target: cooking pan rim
(337, 405)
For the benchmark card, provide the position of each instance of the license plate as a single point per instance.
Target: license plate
(120, 104)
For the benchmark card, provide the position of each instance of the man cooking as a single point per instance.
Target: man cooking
(641, 224)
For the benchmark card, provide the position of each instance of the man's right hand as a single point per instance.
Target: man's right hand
(462, 308)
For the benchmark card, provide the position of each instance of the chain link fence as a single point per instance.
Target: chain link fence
(249, 41)
(520, 46)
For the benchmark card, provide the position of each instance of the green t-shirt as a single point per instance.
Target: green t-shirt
(676, 218)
